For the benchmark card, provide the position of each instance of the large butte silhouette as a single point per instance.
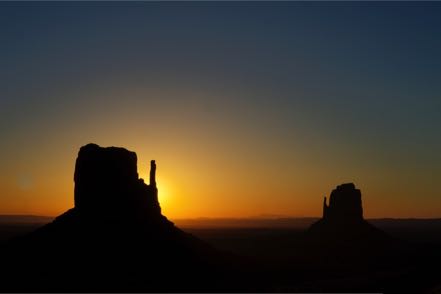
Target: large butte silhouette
(114, 239)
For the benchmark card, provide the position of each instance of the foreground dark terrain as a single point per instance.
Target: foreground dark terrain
(276, 247)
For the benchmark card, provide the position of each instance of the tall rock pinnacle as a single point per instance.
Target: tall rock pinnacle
(153, 173)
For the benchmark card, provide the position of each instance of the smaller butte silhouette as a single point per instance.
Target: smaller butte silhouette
(115, 239)
(343, 234)
(344, 205)
(343, 217)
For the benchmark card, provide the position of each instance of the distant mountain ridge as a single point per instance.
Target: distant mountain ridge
(250, 222)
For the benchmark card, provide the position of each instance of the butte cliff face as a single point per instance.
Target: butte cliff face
(107, 184)
(114, 239)
(110, 197)
(342, 233)
(344, 205)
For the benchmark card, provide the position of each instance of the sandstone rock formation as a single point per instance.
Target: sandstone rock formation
(344, 204)
(107, 183)
(115, 239)
(342, 232)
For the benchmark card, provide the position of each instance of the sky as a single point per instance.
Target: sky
(249, 108)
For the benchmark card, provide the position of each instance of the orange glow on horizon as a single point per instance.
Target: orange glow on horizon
(210, 180)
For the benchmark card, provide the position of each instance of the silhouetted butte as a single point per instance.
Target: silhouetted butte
(343, 218)
(114, 239)
(343, 234)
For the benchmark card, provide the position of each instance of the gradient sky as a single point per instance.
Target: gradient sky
(248, 108)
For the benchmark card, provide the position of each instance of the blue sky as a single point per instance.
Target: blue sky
(343, 83)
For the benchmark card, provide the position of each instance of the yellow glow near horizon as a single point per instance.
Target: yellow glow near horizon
(201, 181)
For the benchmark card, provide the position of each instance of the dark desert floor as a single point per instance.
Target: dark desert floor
(275, 247)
